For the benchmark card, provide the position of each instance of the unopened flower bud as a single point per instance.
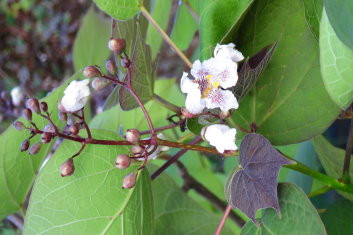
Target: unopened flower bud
(44, 106)
(61, 107)
(117, 45)
(18, 125)
(67, 168)
(74, 129)
(122, 161)
(125, 62)
(17, 96)
(111, 67)
(136, 149)
(33, 105)
(91, 72)
(133, 136)
(25, 145)
(62, 116)
(35, 148)
(224, 114)
(27, 113)
(46, 137)
(98, 84)
(186, 113)
(129, 181)
(49, 128)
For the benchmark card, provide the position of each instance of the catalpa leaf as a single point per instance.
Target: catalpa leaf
(254, 184)
(251, 69)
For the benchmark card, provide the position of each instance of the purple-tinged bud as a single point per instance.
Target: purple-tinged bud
(122, 161)
(129, 181)
(46, 137)
(133, 136)
(25, 145)
(224, 115)
(44, 106)
(136, 150)
(33, 105)
(125, 62)
(27, 113)
(91, 72)
(49, 128)
(74, 129)
(116, 45)
(187, 114)
(67, 168)
(62, 116)
(111, 67)
(61, 107)
(35, 148)
(98, 84)
(18, 125)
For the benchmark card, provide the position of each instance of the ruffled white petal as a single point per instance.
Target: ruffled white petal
(187, 85)
(225, 72)
(221, 136)
(223, 99)
(194, 104)
(228, 52)
(76, 95)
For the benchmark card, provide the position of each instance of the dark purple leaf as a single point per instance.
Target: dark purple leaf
(251, 69)
(254, 184)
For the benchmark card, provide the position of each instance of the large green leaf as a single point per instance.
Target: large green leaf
(338, 217)
(91, 201)
(340, 14)
(18, 170)
(298, 215)
(289, 103)
(176, 213)
(119, 9)
(218, 23)
(313, 10)
(332, 159)
(90, 46)
(336, 65)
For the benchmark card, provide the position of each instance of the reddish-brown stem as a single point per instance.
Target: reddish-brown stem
(79, 151)
(163, 128)
(223, 220)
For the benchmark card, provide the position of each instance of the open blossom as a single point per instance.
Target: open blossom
(228, 51)
(16, 96)
(220, 136)
(76, 95)
(211, 77)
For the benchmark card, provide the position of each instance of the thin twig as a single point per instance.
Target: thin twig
(347, 157)
(191, 10)
(223, 220)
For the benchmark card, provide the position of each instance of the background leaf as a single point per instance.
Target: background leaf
(340, 13)
(336, 65)
(254, 184)
(332, 159)
(338, 217)
(91, 200)
(18, 170)
(298, 215)
(119, 9)
(313, 10)
(289, 103)
(218, 23)
(90, 46)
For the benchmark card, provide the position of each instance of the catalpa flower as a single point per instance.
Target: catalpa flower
(221, 136)
(76, 95)
(211, 78)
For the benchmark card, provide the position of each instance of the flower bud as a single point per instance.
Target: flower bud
(61, 107)
(18, 125)
(98, 84)
(35, 148)
(111, 67)
(91, 72)
(186, 113)
(27, 113)
(117, 45)
(125, 62)
(129, 181)
(62, 116)
(133, 136)
(33, 105)
(25, 145)
(46, 137)
(49, 128)
(224, 114)
(74, 129)
(67, 168)
(17, 96)
(136, 149)
(122, 161)
(44, 106)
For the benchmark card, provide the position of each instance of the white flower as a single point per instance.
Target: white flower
(159, 149)
(16, 96)
(228, 52)
(220, 136)
(76, 95)
(205, 90)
